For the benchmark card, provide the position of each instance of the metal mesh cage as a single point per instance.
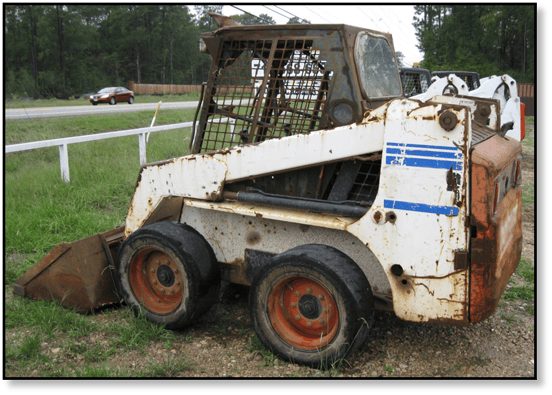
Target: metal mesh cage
(414, 82)
(264, 89)
(365, 187)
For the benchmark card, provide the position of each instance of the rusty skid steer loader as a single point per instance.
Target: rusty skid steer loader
(312, 180)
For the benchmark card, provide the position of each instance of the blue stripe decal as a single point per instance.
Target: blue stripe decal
(421, 162)
(421, 208)
(443, 147)
(435, 154)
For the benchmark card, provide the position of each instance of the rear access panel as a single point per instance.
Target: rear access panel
(496, 222)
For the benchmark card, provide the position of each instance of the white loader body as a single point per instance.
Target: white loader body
(415, 222)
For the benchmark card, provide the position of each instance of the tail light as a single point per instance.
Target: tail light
(522, 111)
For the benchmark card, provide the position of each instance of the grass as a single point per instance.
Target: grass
(103, 177)
(525, 289)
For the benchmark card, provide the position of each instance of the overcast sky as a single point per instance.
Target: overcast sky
(394, 19)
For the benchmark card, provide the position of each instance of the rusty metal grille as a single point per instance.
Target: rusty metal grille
(264, 89)
(365, 187)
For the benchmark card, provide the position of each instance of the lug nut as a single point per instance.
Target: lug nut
(309, 290)
(297, 293)
(293, 304)
(152, 270)
(309, 323)
(298, 317)
(321, 297)
(162, 290)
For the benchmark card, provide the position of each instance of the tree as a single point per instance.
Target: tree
(486, 38)
(248, 19)
(297, 21)
(400, 58)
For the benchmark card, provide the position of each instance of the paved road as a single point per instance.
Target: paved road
(50, 112)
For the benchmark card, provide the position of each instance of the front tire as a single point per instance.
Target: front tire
(168, 272)
(131, 100)
(314, 306)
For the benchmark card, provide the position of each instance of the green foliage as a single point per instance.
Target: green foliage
(65, 50)
(491, 39)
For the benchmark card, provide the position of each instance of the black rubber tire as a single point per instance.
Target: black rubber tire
(190, 264)
(94, 104)
(341, 278)
(131, 100)
(112, 101)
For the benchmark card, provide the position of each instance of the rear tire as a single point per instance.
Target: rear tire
(112, 101)
(314, 306)
(131, 100)
(168, 272)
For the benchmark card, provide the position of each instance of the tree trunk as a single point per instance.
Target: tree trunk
(61, 47)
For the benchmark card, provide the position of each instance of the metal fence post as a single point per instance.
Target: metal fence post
(142, 148)
(64, 162)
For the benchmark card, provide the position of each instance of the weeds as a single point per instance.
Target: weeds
(48, 318)
(524, 291)
(257, 348)
(137, 332)
(170, 367)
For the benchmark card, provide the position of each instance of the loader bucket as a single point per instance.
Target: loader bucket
(78, 275)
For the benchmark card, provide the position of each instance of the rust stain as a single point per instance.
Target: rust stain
(253, 238)
(491, 269)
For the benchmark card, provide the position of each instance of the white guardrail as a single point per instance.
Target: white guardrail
(62, 143)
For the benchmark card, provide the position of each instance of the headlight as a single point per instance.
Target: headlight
(104, 96)
(91, 97)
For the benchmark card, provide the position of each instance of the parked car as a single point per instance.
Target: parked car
(112, 95)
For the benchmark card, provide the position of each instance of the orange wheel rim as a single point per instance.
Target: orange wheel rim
(156, 281)
(303, 313)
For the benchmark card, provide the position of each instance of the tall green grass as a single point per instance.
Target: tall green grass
(41, 210)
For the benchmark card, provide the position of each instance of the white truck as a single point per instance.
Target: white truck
(330, 204)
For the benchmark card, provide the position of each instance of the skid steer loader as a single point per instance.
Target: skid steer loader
(312, 180)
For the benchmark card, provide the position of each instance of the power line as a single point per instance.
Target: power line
(276, 12)
(316, 14)
(285, 11)
(255, 16)
(303, 19)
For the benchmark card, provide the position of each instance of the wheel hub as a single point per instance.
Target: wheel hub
(303, 312)
(310, 307)
(156, 281)
(166, 276)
